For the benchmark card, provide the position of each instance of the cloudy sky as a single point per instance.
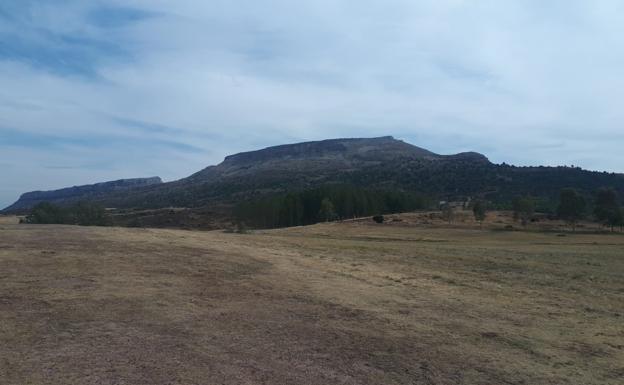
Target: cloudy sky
(101, 90)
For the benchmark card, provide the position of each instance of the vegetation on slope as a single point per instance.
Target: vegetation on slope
(377, 163)
(324, 204)
(81, 213)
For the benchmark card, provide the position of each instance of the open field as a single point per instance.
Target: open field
(351, 303)
(8, 220)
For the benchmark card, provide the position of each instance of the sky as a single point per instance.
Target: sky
(102, 90)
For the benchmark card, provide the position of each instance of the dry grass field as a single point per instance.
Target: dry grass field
(351, 303)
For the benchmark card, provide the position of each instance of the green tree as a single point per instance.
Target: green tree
(82, 213)
(306, 207)
(619, 221)
(88, 214)
(479, 209)
(606, 209)
(571, 207)
(523, 209)
(47, 213)
(327, 212)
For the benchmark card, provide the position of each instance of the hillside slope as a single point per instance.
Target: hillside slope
(366, 162)
(86, 192)
(377, 163)
(374, 163)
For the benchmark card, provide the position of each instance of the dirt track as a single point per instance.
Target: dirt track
(328, 304)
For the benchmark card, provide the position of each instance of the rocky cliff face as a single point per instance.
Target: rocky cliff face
(77, 193)
(316, 157)
(353, 150)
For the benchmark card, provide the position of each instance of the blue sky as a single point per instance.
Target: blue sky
(101, 90)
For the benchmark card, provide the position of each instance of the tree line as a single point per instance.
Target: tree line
(81, 213)
(607, 211)
(573, 206)
(338, 202)
(326, 203)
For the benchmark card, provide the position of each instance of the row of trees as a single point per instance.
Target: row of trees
(81, 213)
(345, 201)
(607, 209)
(326, 203)
(574, 207)
(332, 202)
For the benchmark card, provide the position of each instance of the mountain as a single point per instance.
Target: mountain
(77, 193)
(307, 163)
(372, 163)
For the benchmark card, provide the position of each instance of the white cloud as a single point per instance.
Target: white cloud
(523, 82)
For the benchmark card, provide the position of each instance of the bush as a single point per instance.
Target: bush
(378, 218)
(241, 228)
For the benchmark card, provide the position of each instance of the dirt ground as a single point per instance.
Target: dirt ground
(351, 303)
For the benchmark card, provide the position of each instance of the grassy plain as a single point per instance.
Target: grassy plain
(345, 303)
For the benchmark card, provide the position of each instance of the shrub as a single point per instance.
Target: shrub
(379, 218)
(241, 228)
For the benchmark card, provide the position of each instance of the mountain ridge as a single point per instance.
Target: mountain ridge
(378, 163)
(346, 146)
(328, 151)
(31, 198)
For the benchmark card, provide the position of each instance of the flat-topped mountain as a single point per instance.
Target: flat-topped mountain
(381, 163)
(323, 156)
(373, 149)
(86, 192)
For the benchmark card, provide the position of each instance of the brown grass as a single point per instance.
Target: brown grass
(8, 220)
(353, 303)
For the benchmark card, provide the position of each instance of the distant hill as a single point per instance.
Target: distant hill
(374, 163)
(88, 192)
(370, 162)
